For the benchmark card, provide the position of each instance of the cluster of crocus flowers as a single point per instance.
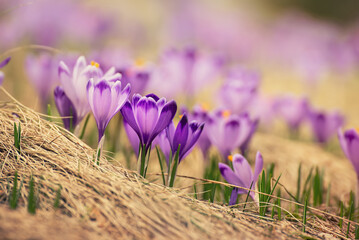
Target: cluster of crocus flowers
(3, 64)
(147, 116)
(229, 131)
(325, 124)
(242, 176)
(349, 141)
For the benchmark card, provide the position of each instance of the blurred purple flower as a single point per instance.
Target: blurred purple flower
(148, 116)
(164, 143)
(239, 91)
(42, 73)
(242, 175)
(106, 97)
(138, 75)
(349, 141)
(325, 124)
(293, 110)
(78, 24)
(228, 131)
(200, 114)
(185, 134)
(184, 72)
(65, 108)
(3, 64)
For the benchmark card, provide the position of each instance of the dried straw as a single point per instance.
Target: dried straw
(107, 200)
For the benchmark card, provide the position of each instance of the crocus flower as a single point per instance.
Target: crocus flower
(228, 131)
(185, 134)
(349, 141)
(75, 83)
(148, 116)
(106, 98)
(138, 75)
(325, 124)
(184, 71)
(293, 110)
(199, 113)
(242, 176)
(239, 91)
(65, 108)
(3, 64)
(42, 73)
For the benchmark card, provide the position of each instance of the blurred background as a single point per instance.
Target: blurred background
(300, 48)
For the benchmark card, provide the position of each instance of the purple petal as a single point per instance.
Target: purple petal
(229, 175)
(352, 141)
(243, 170)
(166, 116)
(128, 116)
(234, 196)
(132, 137)
(146, 114)
(181, 135)
(258, 166)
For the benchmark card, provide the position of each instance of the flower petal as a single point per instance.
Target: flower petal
(229, 175)
(258, 166)
(243, 170)
(146, 114)
(166, 116)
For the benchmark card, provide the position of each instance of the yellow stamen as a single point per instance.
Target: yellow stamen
(226, 113)
(139, 62)
(93, 63)
(357, 130)
(230, 158)
(180, 116)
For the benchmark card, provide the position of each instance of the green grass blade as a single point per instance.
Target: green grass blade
(174, 169)
(161, 165)
(31, 199)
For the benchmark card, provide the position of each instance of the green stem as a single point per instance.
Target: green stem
(84, 127)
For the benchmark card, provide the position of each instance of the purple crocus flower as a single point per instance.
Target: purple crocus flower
(138, 75)
(200, 114)
(242, 175)
(293, 110)
(42, 73)
(106, 98)
(185, 134)
(349, 141)
(239, 91)
(3, 64)
(65, 108)
(228, 131)
(325, 124)
(75, 83)
(148, 116)
(184, 71)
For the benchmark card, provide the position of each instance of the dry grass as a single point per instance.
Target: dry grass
(107, 201)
